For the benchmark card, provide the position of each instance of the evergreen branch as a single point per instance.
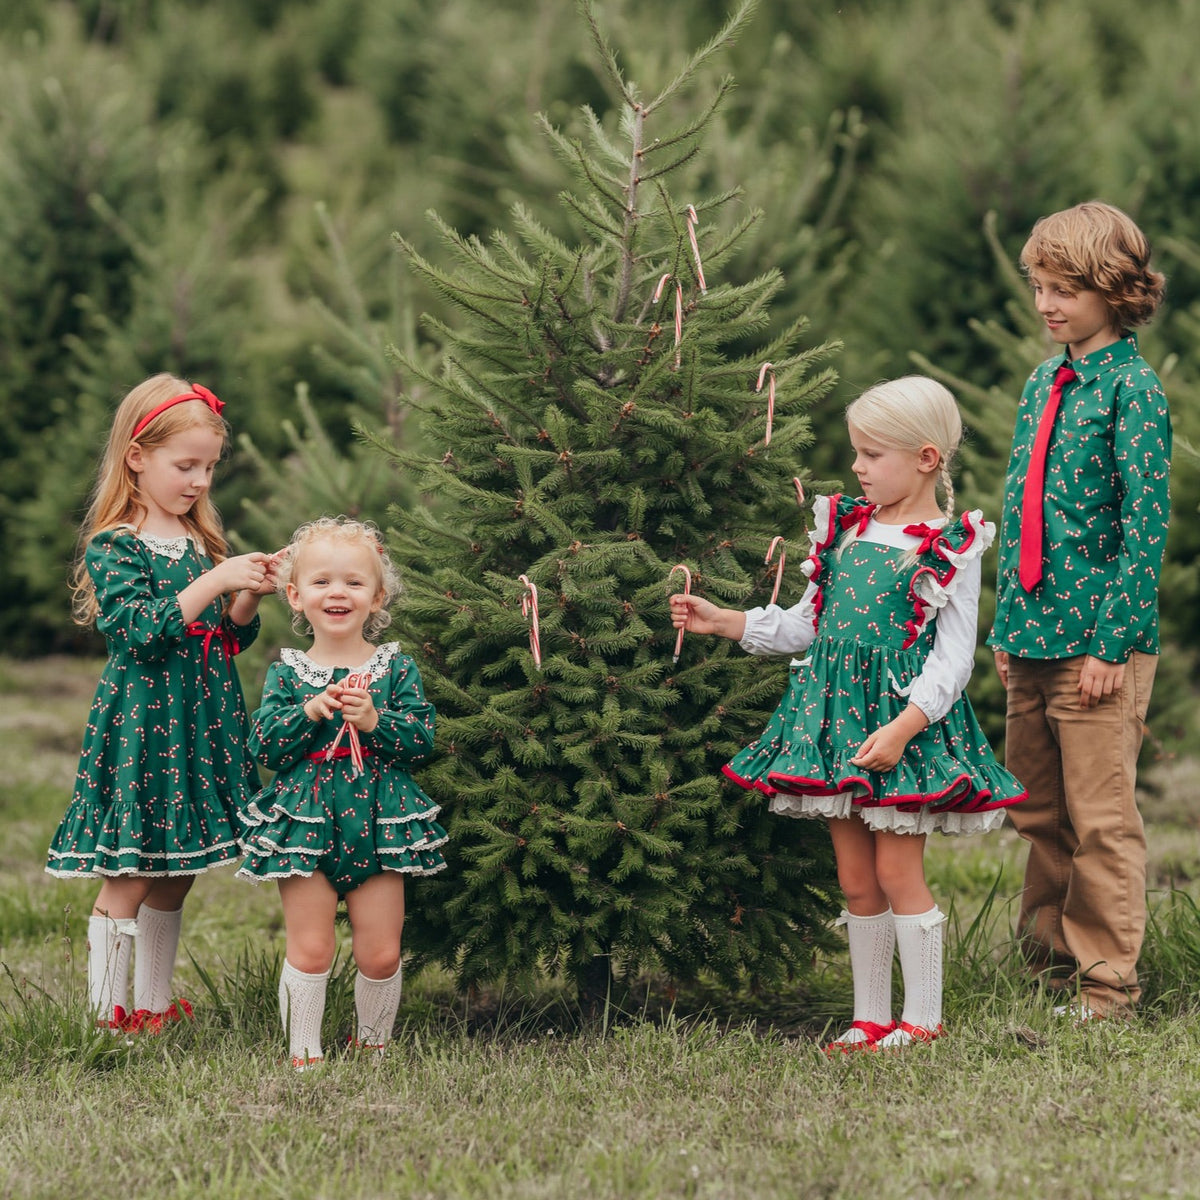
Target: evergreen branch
(600, 138)
(475, 252)
(602, 183)
(595, 222)
(673, 165)
(696, 127)
(725, 36)
(608, 57)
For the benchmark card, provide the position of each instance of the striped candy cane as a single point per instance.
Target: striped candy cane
(529, 610)
(764, 370)
(776, 541)
(692, 222)
(678, 313)
(799, 490)
(687, 591)
(360, 680)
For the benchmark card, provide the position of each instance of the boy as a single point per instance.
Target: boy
(1076, 630)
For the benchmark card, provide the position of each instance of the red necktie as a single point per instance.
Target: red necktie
(1032, 503)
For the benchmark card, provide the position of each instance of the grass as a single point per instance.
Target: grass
(701, 1095)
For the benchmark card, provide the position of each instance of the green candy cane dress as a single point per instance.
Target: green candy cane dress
(164, 769)
(320, 813)
(873, 608)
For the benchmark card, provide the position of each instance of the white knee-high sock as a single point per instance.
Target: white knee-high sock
(919, 941)
(872, 942)
(154, 962)
(302, 1005)
(110, 940)
(375, 1004)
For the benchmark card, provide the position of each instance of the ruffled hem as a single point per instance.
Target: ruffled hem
(84, 865)
(886, 818)
(423, 859)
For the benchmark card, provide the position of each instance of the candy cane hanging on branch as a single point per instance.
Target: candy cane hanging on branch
(692, 222)
(767, 370)
(799, 490)
(776, 541)
(687, 591)
(678, 313)
(529, 610)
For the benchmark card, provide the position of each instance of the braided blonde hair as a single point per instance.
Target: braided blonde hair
(908, 413)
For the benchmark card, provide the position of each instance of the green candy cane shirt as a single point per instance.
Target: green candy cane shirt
(1106, 512)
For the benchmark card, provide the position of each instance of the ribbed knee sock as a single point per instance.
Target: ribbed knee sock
(154, 962)
(872, 942)
(375, 1004)
(110, 940)
(302, 1005)
(919, 941)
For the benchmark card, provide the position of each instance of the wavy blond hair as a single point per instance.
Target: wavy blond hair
(1095, 247)
(349, 532)
(116, 499)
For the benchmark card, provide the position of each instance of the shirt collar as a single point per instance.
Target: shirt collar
(1116, 354)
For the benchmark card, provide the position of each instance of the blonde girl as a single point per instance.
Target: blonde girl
(875, 733)
(164, 770)
(341, 725)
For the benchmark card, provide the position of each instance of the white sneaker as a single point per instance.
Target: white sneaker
(1079, 1013)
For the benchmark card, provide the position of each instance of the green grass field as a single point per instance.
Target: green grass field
(503, 1095)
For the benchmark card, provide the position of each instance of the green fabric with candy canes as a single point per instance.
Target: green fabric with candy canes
(164, 770)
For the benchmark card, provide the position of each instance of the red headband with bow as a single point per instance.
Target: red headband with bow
(198, 392)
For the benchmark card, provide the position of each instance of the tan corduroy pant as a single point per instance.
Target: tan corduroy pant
(1083, 909)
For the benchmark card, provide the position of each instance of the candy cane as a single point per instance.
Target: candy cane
(359, 680)
(799, 491)
(678, 313)
(529, 609)
(692, 222)
(687, 591)
(776, 541)
(763, 370)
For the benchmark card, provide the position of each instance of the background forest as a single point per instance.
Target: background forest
(209, 187)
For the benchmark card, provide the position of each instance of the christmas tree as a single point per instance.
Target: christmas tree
(599, 421)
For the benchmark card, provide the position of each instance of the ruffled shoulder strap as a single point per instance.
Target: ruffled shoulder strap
(961, 540)
(832, 515)
(941, 553)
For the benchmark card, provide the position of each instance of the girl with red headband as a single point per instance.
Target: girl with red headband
(164, 768)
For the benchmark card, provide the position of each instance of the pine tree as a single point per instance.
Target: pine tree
(580, 444)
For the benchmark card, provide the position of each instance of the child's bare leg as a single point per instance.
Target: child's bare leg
(376, 910)
(854, 849)
(900, 871)
(309, 907)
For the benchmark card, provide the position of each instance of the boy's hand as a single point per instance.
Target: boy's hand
(323, 705)
(1098, 679)
(359, 709)
(1002, 667)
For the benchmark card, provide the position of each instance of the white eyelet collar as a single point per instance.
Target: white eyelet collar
(318, 676)
(172, 548)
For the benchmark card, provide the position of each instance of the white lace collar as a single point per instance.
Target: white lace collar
(172, 548)
(318, 676)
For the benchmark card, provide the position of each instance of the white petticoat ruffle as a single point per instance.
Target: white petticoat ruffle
(882, 818)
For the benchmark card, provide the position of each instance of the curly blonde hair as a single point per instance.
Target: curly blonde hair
(349, 532)
(1095, 247)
